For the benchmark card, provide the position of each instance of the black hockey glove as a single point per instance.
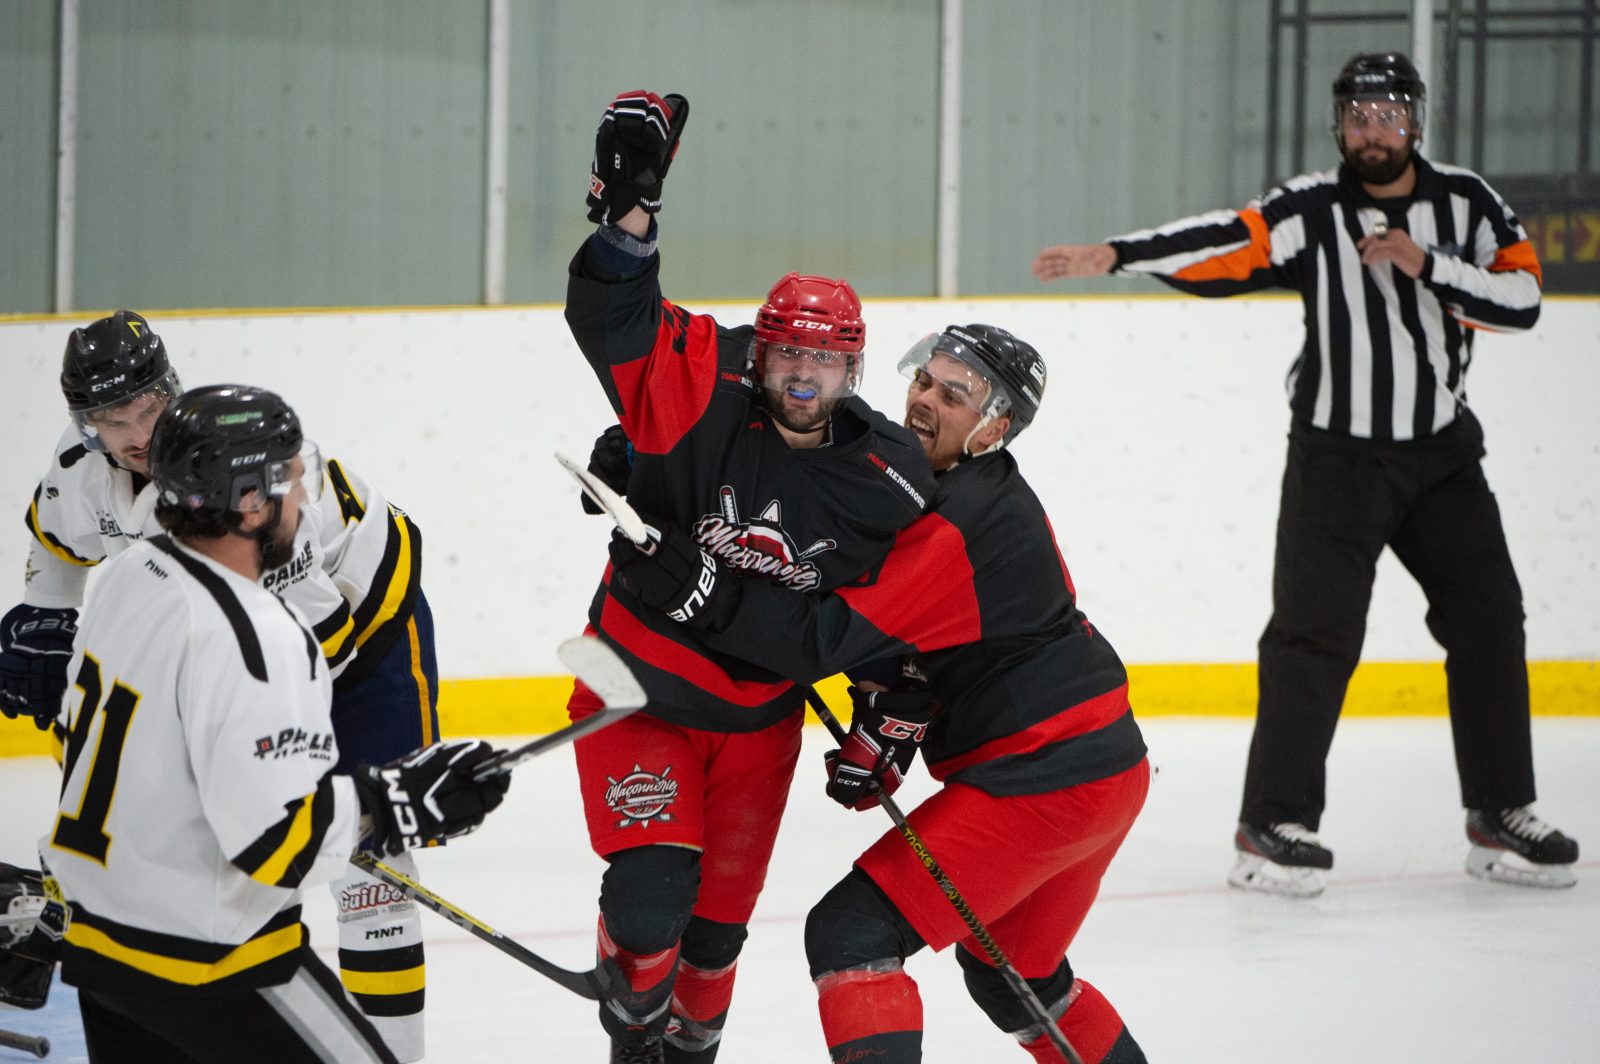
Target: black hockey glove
(429, 794)
(35, 649)
(885, 730)
(633, 150)
(611, 461)
(674, 574)
(27, 953)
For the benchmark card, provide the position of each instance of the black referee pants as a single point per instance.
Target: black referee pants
(306, 1020)
(1344, 500)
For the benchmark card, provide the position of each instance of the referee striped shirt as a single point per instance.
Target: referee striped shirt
(1385, 356)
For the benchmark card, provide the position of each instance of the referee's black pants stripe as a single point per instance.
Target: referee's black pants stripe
(1343, 501)
(307, 1020)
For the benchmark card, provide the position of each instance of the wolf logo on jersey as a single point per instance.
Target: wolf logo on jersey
(759, 547)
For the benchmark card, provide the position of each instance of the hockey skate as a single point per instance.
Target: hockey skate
(1283, 859)
(649, 1052)
(1514, 846)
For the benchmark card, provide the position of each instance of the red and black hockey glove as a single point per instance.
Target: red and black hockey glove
(611, 461)
(886, 728)
(633, 149)
(674, 574)
(428, 794)
(35, 649)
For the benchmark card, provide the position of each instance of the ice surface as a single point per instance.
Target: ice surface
(1405, 958)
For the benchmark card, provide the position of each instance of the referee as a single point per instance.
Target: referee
(1398, 261)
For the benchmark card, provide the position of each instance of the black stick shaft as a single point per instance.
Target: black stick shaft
(997, 957)
(585, 984)
(38, 1046)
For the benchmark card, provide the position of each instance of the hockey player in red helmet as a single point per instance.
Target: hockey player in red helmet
(753, 444)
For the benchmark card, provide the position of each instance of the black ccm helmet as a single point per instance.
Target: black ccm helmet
(1380, 76)
(1014, 370)
(110, 362)
(217, 444)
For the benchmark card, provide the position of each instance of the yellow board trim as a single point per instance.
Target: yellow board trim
(385, 984)
(272, 869)
(535, 705)
(188, 973)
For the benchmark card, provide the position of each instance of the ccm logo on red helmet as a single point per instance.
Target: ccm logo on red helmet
(816, 326)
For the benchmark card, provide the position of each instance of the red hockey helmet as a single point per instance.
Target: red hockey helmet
(813, 312)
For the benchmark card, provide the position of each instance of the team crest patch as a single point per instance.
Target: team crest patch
(640, 797)
(759, 546)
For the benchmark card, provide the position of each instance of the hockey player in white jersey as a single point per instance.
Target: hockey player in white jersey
(354, 571)
(200, 796)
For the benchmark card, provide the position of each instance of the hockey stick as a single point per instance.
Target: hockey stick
(589, 984)
(1013, 978)
(598, 666)
(627, 518)
(604, 673)
(39, 1047)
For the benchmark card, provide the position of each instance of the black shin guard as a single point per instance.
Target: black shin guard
(999, 1002)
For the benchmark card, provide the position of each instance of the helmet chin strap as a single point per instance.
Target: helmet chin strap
(966, 444)
(262, 536)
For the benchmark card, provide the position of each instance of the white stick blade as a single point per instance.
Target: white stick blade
(602, 671)
(626, 517)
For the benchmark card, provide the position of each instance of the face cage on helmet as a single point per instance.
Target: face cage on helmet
(166, 388)
(279, 482)
(996, 401)
(822, 359)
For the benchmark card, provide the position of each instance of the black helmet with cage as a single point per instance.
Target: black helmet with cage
(226, 449)
(112, 362)
(1013, 369)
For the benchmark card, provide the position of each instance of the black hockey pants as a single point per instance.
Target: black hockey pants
(1343, 501)
(306, 1020)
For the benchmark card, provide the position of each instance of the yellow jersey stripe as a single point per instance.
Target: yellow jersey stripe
(423, 694)
(394, 595)
(50, 543)
(332, 645)
(188, 973)
(271, 871)
(407, 981)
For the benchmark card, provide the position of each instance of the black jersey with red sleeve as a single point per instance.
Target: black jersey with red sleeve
(1032, 697)
(709, 459)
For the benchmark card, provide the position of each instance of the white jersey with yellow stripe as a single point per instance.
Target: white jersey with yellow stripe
(197, 800)
(354, 570)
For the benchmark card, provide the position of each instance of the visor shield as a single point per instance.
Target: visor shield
(1376, 115)
(281, 477)
(89, 421)
(941, 361)
(802, 385)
